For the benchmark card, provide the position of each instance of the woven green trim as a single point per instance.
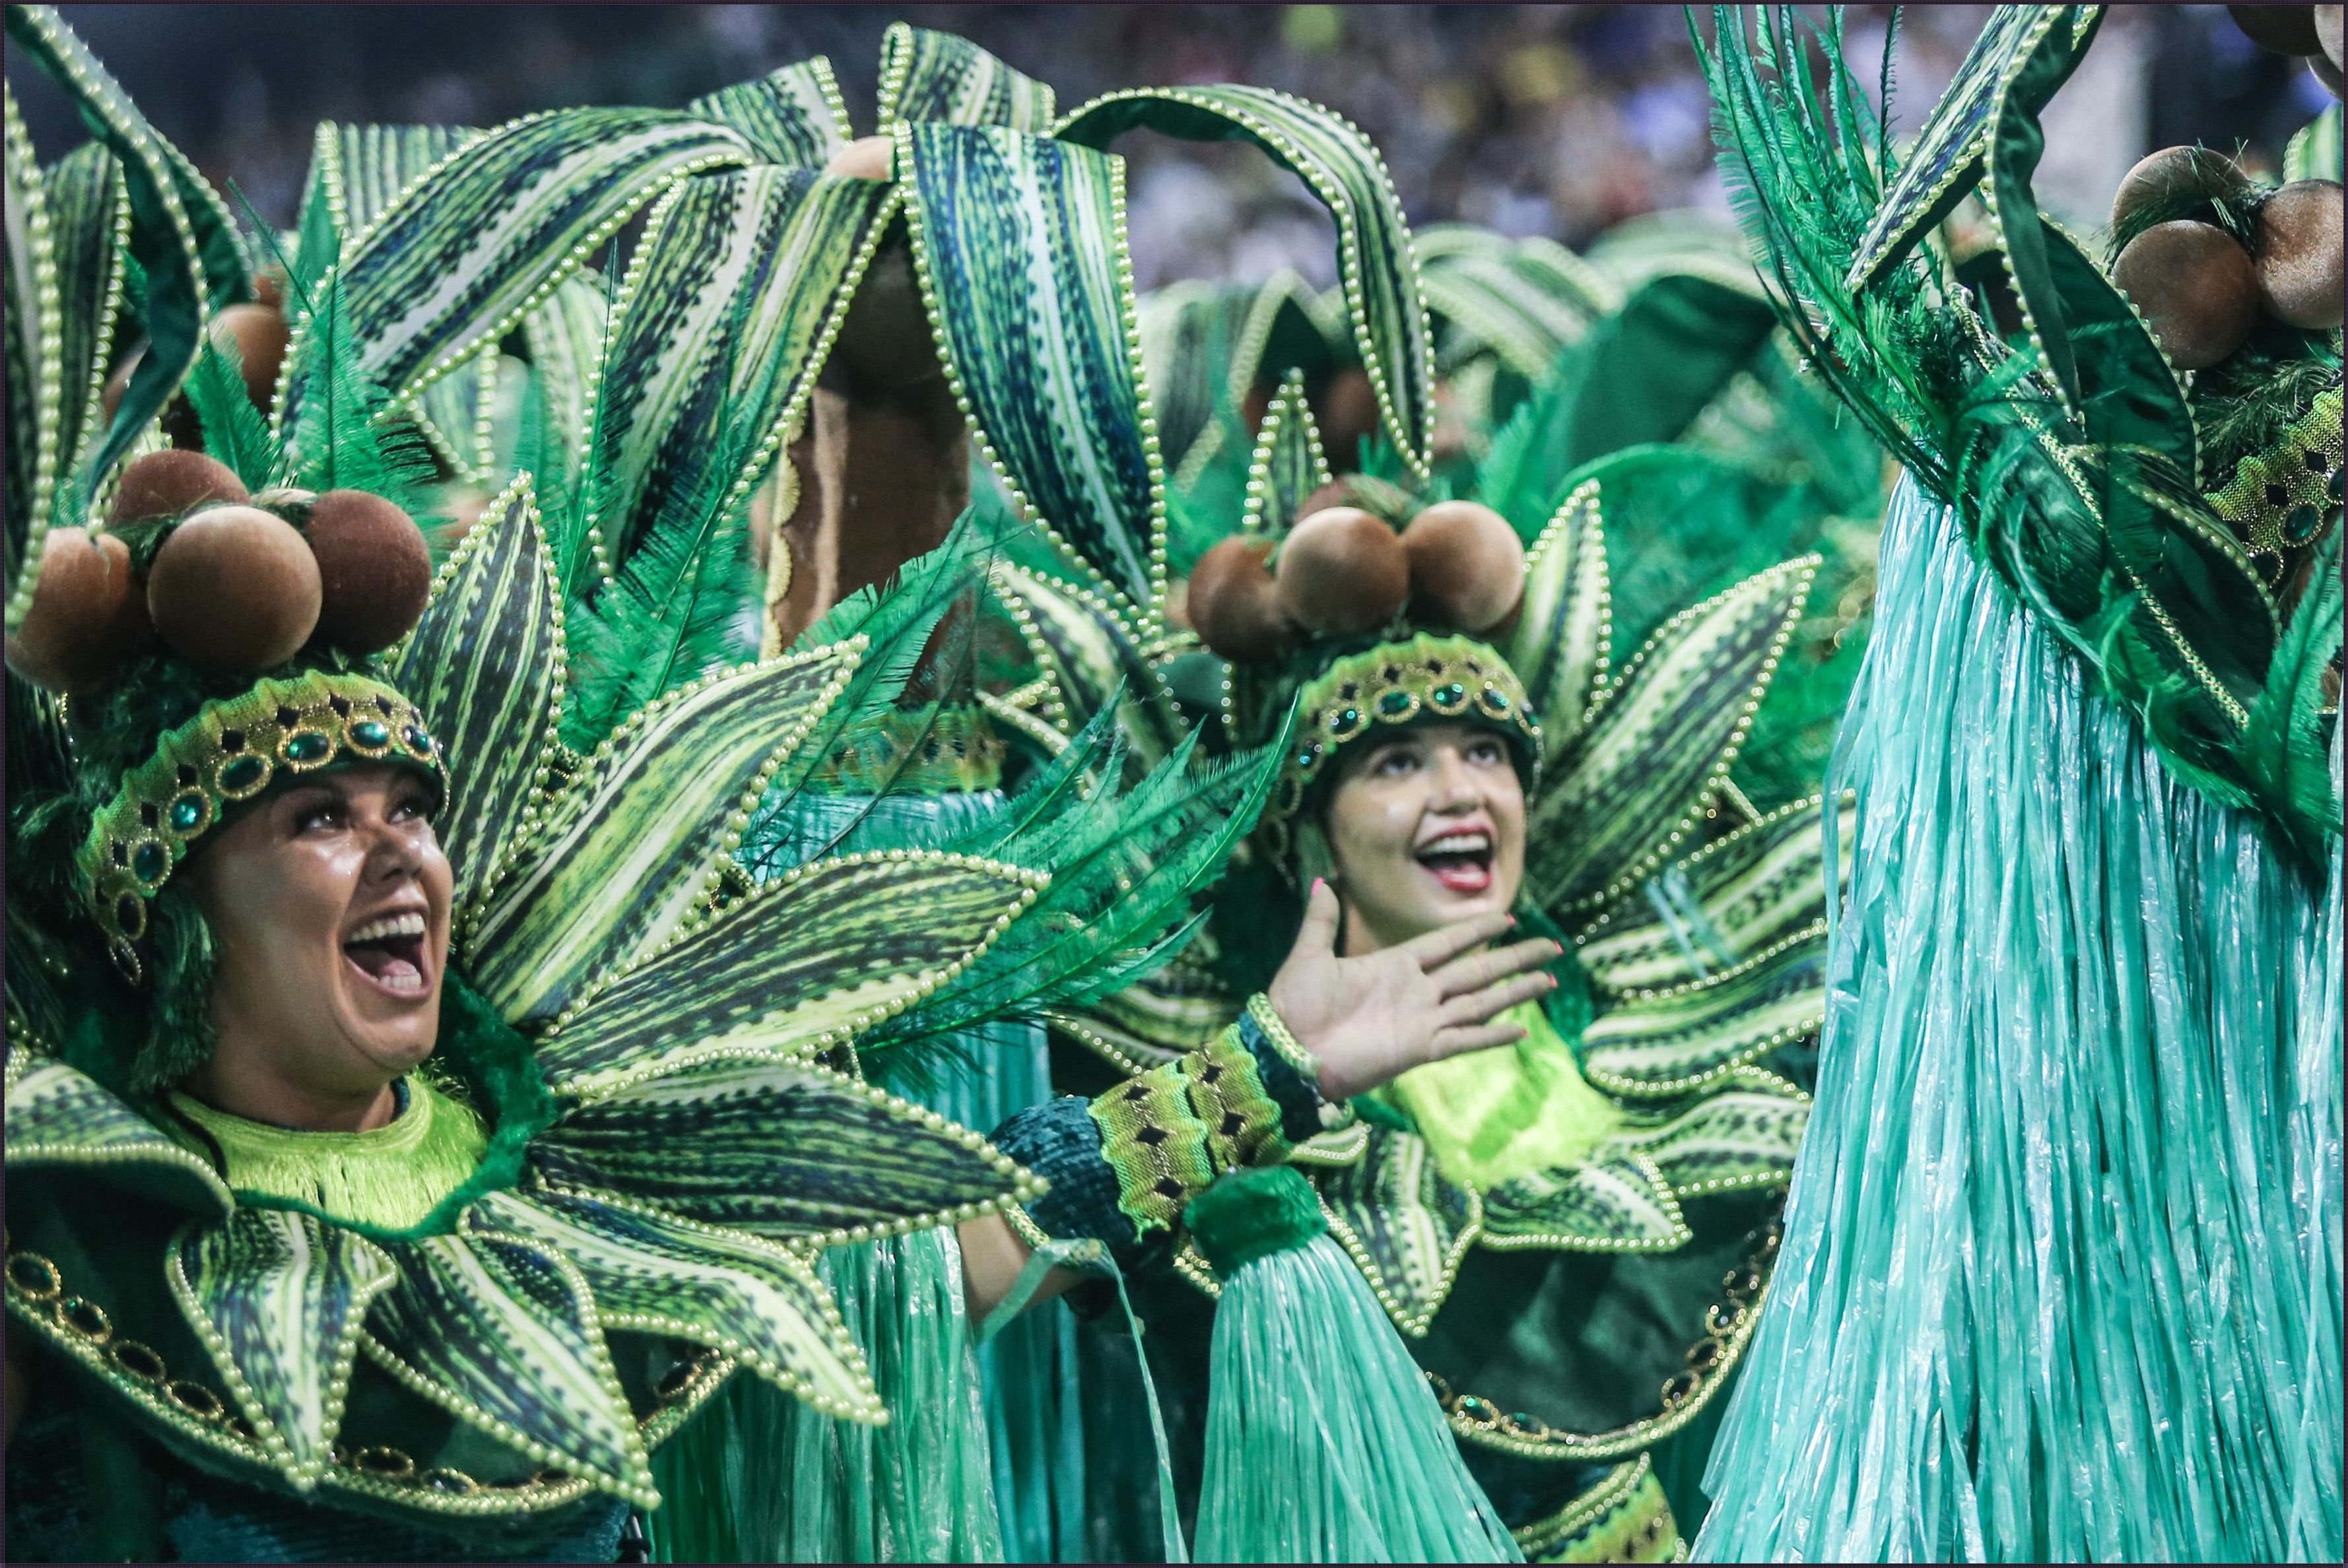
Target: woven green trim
(1275, 1033)
(1156, 1144)
(2300, 471)
(1397, 685)
(231, 750)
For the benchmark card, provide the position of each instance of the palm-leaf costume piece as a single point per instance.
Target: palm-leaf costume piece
(2084, 1058)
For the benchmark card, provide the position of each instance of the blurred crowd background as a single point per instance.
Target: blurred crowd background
(1550, 120)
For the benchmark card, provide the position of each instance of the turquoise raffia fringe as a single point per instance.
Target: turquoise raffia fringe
(2061, 1271)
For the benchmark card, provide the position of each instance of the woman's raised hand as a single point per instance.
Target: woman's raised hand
(1367, 1021)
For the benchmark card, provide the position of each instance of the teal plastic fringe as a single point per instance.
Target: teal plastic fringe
(2061, 1276)
(759, 1477)
(1323, 1442)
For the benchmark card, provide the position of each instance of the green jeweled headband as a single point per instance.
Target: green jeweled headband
(231, 750)
(1428, 677)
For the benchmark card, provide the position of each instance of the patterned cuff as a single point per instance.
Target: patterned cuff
(1289, 1074)
(1060, 1142)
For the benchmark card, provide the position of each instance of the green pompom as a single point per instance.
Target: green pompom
(1249, 1215)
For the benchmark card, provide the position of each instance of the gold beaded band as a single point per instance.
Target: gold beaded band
(231, 750)
(1276, 1034)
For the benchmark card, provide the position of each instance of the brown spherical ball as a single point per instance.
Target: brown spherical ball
(1467, 565)
(2285, 29)
(2326, 71)
(374, 570)
(2328, 33)
(2195, 285)
(234, 587)
(87, 618)
(2176, 172)
(2299, 253)
(167, 484)
(1234, 606)
(259, 334)
(1342, 573)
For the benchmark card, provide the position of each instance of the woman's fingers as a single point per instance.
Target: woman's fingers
(1438, 947)
(1319, 932)
(1472, 1037)
(1474, 971)
(1496, 999)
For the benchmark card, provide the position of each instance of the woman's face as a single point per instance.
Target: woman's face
(330, 901)
(1424, 830)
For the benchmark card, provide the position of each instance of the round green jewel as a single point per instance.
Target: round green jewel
(309, 748)
(1449, 696)
(1495, 699)
(130, 916)
(191, 812)
(243, 776)
(1394, 704)
(371, 735)
(1345, 722)
(418, 741)
(149, 862)
(1308, 757)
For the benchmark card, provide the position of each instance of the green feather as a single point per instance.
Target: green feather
(234, 430)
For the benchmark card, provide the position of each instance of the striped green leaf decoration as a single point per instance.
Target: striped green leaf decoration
(1084, 642)
(59, 1117)
(791, 1151)
(1524, 301)
(1287, 465)
(1754, 889)
(635, 841)
(88, 214)
(1620, 1203)
(654, 1274)
(802, 963)
(1406, 1226)
(360, 171)
(1019, 243)
(1560, 644)
(485, 665)
(1660, 739)
(465, 256)
(937, 77)
(1731, 1142)
(792, 116)
(1337, 161)
(452, 413)
(35, 388)
(1158, 1017)
(279, 1298)
(1690, 1036)
(742, 271)
(1186, 331)
(501, 1332)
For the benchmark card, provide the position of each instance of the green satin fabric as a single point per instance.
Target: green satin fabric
(1491, 1115)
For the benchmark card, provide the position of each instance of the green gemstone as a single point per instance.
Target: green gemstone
(1394, 702)
(371, 735)
(1345, 722)
(1308, 757)
(309, 746)
(243, 774)
(1496, 700)
(1450, 696)
(149, 862)
(188, 813)
(418, 741)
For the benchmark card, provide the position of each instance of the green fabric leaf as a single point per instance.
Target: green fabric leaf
(803, 963)
(37, 340)
(278, 1298)
(501, 1332)
(1620, 1203)
(1680, 1037)
(1727, 1143)
(235, 432)
(1403, 1224)
(651, 1272)
(1559, 647)
(1019, 243)
(1084, 642)
(1338, 163)
(1287, 465)
(938, 78)
(634, 842)
(357, 172)
(791, 1151)
(791, 117)
(485, 666)
(59, 1117)
(1658, 743)
(462, 258)
(1488, 301)
(88, 214)
(566, 339)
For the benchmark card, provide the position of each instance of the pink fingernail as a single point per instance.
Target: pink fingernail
(1319, 883)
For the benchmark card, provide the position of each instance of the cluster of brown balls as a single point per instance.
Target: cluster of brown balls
(1342, 572)
(240, 582)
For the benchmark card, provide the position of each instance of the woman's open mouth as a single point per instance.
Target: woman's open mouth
(1460, 860)
(390, 953)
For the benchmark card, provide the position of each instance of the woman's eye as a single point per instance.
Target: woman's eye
(316, 818)
(1394, 765)
(1485, 752)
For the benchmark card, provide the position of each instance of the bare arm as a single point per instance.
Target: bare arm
(991, 1258)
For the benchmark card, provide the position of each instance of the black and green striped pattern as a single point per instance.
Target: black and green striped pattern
(279, 1300)
(1404, 1225)
(485, 665)
(1020, 245)
(58, 1117)
(1669, 1042)
(651, 1272)
(1083, 642)
(938, 79)
(1733, 1142)
(836, 945)
(1287, 465)
(792, 116)
(89, 218)
(742, 271)
(1562, 643)
(1342, 169)
(791, 1152)
(1661, 738)
(502, 1333)
(359, 171)
(1618, 1203)
(632, 845)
